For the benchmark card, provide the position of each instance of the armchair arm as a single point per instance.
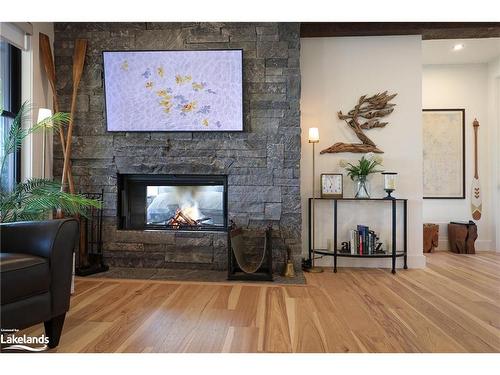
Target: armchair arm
(53, 239)
(33, 237)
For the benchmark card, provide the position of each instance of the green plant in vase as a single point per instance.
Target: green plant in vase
(360, 171)
(34, 198)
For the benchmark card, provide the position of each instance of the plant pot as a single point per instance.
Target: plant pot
(362, 188)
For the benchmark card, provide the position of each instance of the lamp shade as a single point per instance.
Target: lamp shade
(313, 135)
(44, 113)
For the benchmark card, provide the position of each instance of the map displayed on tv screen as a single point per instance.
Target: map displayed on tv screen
(174, 90)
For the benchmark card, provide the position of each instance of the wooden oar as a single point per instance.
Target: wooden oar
(476, 201)
(48, 63)
(78, 61)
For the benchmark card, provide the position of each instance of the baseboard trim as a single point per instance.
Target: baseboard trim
(484, 245)
(481, 245)
(417, 261)
(443, 244)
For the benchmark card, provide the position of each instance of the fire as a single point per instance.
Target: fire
(188, 215)
(192, 211)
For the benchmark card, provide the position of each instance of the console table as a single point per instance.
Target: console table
(395, 253)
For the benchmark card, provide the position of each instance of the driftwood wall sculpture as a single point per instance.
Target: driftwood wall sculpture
(365, 116)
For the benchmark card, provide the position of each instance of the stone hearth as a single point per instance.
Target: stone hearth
(261, 163)
(145, 273)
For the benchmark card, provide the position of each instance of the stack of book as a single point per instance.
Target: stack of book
(363, 241)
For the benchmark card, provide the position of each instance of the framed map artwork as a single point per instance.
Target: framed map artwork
(444, 153)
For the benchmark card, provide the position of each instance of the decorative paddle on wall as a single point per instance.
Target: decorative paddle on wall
(365, 116)
(476, 201)
(78, 61)
(50, 70)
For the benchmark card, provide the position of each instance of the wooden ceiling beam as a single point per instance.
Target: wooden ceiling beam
(428, 30)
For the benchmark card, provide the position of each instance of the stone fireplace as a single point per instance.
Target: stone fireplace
(260, 165)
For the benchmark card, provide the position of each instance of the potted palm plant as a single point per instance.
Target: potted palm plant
(35, 198)
(360, 171)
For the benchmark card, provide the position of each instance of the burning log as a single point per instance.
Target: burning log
(199, 221)
(186, 218)
(182, 219)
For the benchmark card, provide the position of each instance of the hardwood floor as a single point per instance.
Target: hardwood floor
(451, 306)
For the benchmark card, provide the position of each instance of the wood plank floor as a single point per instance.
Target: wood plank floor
(451, 306)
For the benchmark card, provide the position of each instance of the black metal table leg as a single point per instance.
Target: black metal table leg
(405, 238)
(230, 269)
(394, 236)
(309, 231)
(335, 236)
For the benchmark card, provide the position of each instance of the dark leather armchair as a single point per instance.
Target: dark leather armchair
(36, 261)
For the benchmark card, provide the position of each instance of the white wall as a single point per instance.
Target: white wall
(40, 97)
(494, 121)
(35, 90)
(463, 86)
(335, 73)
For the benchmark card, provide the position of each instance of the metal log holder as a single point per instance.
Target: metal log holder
(90, 259)
(265, 270)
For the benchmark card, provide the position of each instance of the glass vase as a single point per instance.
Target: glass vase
(362, 188)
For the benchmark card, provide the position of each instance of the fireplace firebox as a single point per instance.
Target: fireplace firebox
(172, 202)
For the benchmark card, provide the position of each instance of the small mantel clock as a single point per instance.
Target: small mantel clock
(332, 185)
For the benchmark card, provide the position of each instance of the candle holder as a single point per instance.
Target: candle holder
(389, 183)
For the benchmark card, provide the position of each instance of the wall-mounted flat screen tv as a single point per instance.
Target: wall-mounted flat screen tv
(173, 90)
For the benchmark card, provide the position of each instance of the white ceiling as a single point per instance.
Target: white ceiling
(475, 51)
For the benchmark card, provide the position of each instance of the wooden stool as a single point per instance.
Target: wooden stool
(431, 235)
(462, 236)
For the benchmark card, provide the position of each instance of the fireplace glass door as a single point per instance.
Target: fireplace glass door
(185, 207)
(174, 202)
